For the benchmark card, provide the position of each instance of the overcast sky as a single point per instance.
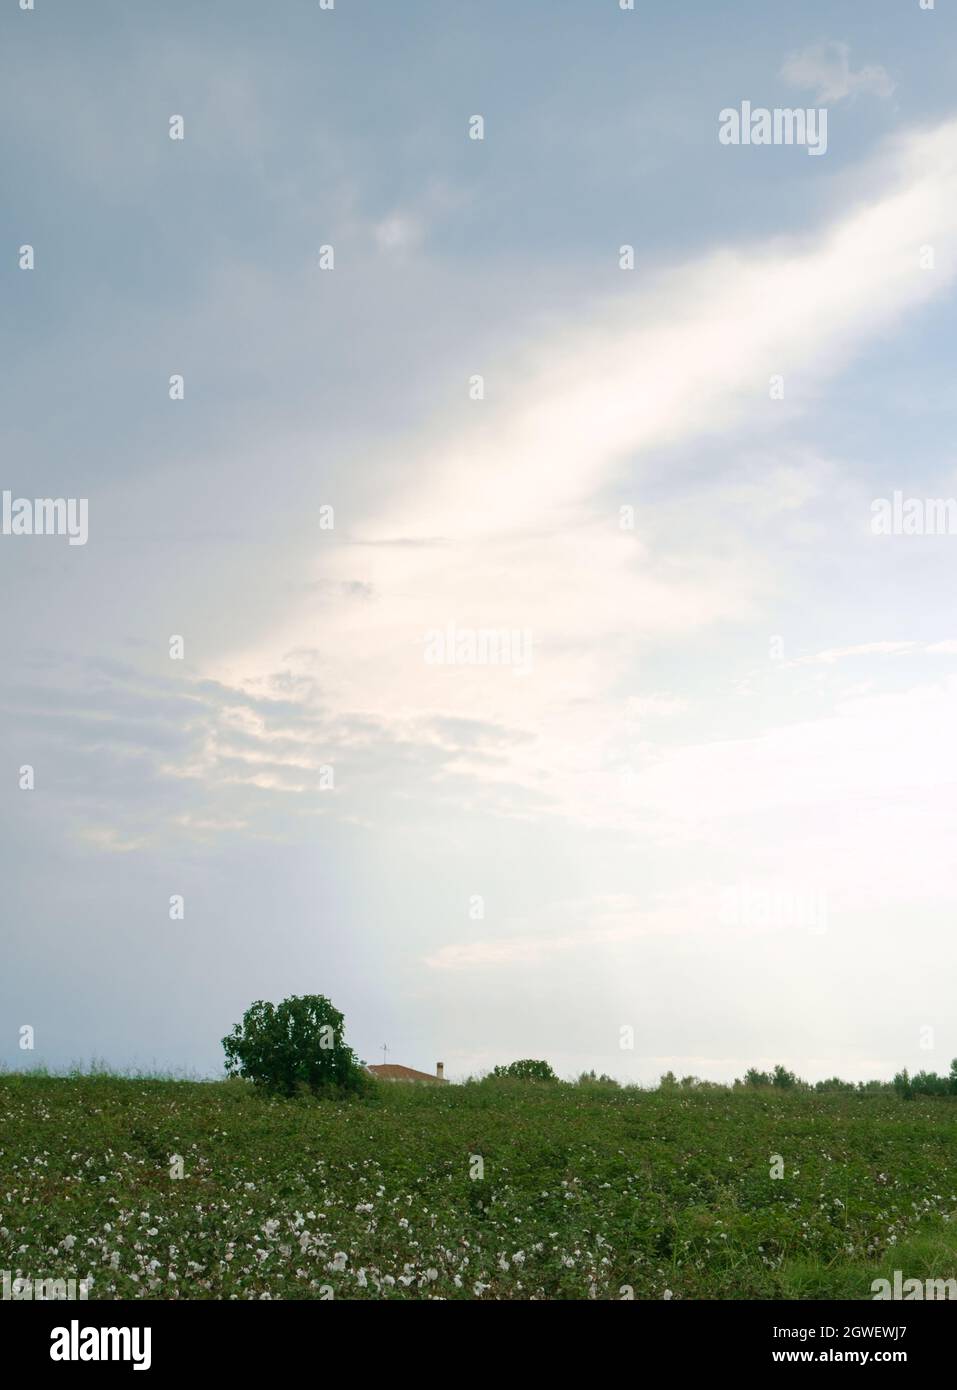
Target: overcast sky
(710, 796)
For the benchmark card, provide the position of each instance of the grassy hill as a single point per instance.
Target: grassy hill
(587, 1191)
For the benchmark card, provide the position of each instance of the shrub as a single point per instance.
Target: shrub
(526, 1070)
(293, 1046)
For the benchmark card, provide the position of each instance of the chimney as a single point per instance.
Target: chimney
(440, 1070)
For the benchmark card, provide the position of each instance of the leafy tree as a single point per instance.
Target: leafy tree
(526, 1070)
(784, 1080)
(928, 1083)
(902, 1085)
(293, 1046)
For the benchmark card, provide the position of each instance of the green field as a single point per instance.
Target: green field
(587, 1191)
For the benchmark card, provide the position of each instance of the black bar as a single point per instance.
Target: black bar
(277, 1337)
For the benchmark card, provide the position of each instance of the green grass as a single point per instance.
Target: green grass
(586, 1191)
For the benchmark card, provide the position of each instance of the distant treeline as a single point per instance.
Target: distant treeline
(922, 1083)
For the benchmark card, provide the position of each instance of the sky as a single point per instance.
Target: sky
(545, 687)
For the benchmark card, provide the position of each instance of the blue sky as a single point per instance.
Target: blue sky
(716, 810)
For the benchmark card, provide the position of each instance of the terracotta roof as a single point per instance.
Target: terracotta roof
(391, 1071)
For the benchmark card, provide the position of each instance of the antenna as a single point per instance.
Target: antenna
(385, 1049)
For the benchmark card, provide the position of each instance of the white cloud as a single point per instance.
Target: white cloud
(502, 521)
(826, 68)
(833, 654)
(398, 233)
